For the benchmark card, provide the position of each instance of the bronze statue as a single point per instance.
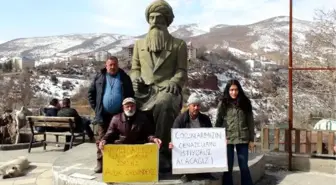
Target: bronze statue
(159, 70)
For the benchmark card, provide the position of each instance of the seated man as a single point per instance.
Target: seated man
(129, 127)
(193, 118)
(67, 111)
(53, 108)
(50, 110)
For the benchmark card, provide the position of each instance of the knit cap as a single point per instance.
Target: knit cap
(194, 99)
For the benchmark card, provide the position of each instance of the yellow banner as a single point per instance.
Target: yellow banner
(130, 163)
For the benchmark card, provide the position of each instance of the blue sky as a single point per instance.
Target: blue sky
(30, 18)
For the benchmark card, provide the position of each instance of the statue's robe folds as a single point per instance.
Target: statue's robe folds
(157, 71)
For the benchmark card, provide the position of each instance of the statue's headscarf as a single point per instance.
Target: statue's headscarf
(162, 7)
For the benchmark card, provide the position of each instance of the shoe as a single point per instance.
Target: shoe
(92, 140)
(99, 167)
(208, 176)
(185, 179)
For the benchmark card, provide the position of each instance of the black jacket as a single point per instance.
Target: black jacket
(70, 112)
(96, 91)
(183, 120)
(50, 111)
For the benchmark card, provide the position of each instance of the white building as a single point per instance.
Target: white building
(325, 124)
(128, 51)
(23, 63)
(101, 56)
(191, 51)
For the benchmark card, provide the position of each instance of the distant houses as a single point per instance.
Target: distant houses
(128, 51)
(101, 56)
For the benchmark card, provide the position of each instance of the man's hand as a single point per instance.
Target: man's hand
(170, 146)
(157, 141)
(138, 84)
(101, 144)
(251, 145)
(172, 88)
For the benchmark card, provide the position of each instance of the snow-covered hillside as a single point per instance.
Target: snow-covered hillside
(267, 36)
(274, 31)
(43, 47)
(65, 87)
(185, 31)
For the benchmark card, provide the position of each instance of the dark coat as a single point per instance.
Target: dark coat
(50, 111)
(239, 125)
(183, 120)
(96, 92)
(133, 130)
(70, 112)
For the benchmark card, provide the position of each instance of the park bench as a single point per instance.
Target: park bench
(53, 122)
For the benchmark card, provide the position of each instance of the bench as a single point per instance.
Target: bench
(53, 122)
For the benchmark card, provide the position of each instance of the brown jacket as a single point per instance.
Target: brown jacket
(133, 130)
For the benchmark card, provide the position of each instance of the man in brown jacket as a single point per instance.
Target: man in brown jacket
(129, 127)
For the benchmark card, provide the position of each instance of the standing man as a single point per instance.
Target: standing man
(105, 95)
(159, 72)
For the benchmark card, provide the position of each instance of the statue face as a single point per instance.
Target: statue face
(158, 32)
(157, 20)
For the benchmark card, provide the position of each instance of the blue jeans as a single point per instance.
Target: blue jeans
(242, 153)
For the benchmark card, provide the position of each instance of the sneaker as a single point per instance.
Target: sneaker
(185, 179)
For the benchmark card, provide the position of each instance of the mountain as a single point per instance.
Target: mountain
(266, 36)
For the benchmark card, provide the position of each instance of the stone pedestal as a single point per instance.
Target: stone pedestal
(82, 159)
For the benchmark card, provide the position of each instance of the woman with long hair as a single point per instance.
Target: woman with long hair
(236, 116)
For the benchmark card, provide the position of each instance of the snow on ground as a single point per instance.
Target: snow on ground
(56, 91)
(49, 60)
(239, 53)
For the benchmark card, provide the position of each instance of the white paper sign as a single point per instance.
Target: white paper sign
(199, 150)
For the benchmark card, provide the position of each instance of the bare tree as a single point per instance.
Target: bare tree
(25, 88)
(321, 47)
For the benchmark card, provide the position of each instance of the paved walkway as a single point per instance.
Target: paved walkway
(297, 178)
(41, 162)
(40, 172)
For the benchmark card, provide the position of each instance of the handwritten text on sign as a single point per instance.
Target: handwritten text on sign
(199, 150)
(130, 163)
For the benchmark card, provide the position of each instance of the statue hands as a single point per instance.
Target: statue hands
(172, 88)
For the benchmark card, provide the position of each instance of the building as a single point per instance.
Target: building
(191, 51)
(128, 51)
(22, 63)
(101, 56)
(325, 124)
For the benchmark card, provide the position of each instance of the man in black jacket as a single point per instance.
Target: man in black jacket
(105, 95)
(193, 118)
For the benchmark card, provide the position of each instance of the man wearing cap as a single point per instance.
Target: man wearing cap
(193, 118)
(129, 127)
(159, 71)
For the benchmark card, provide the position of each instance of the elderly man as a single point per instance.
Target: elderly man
(159, 71)
(105, 95)
(193, 118)
(129, 127)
